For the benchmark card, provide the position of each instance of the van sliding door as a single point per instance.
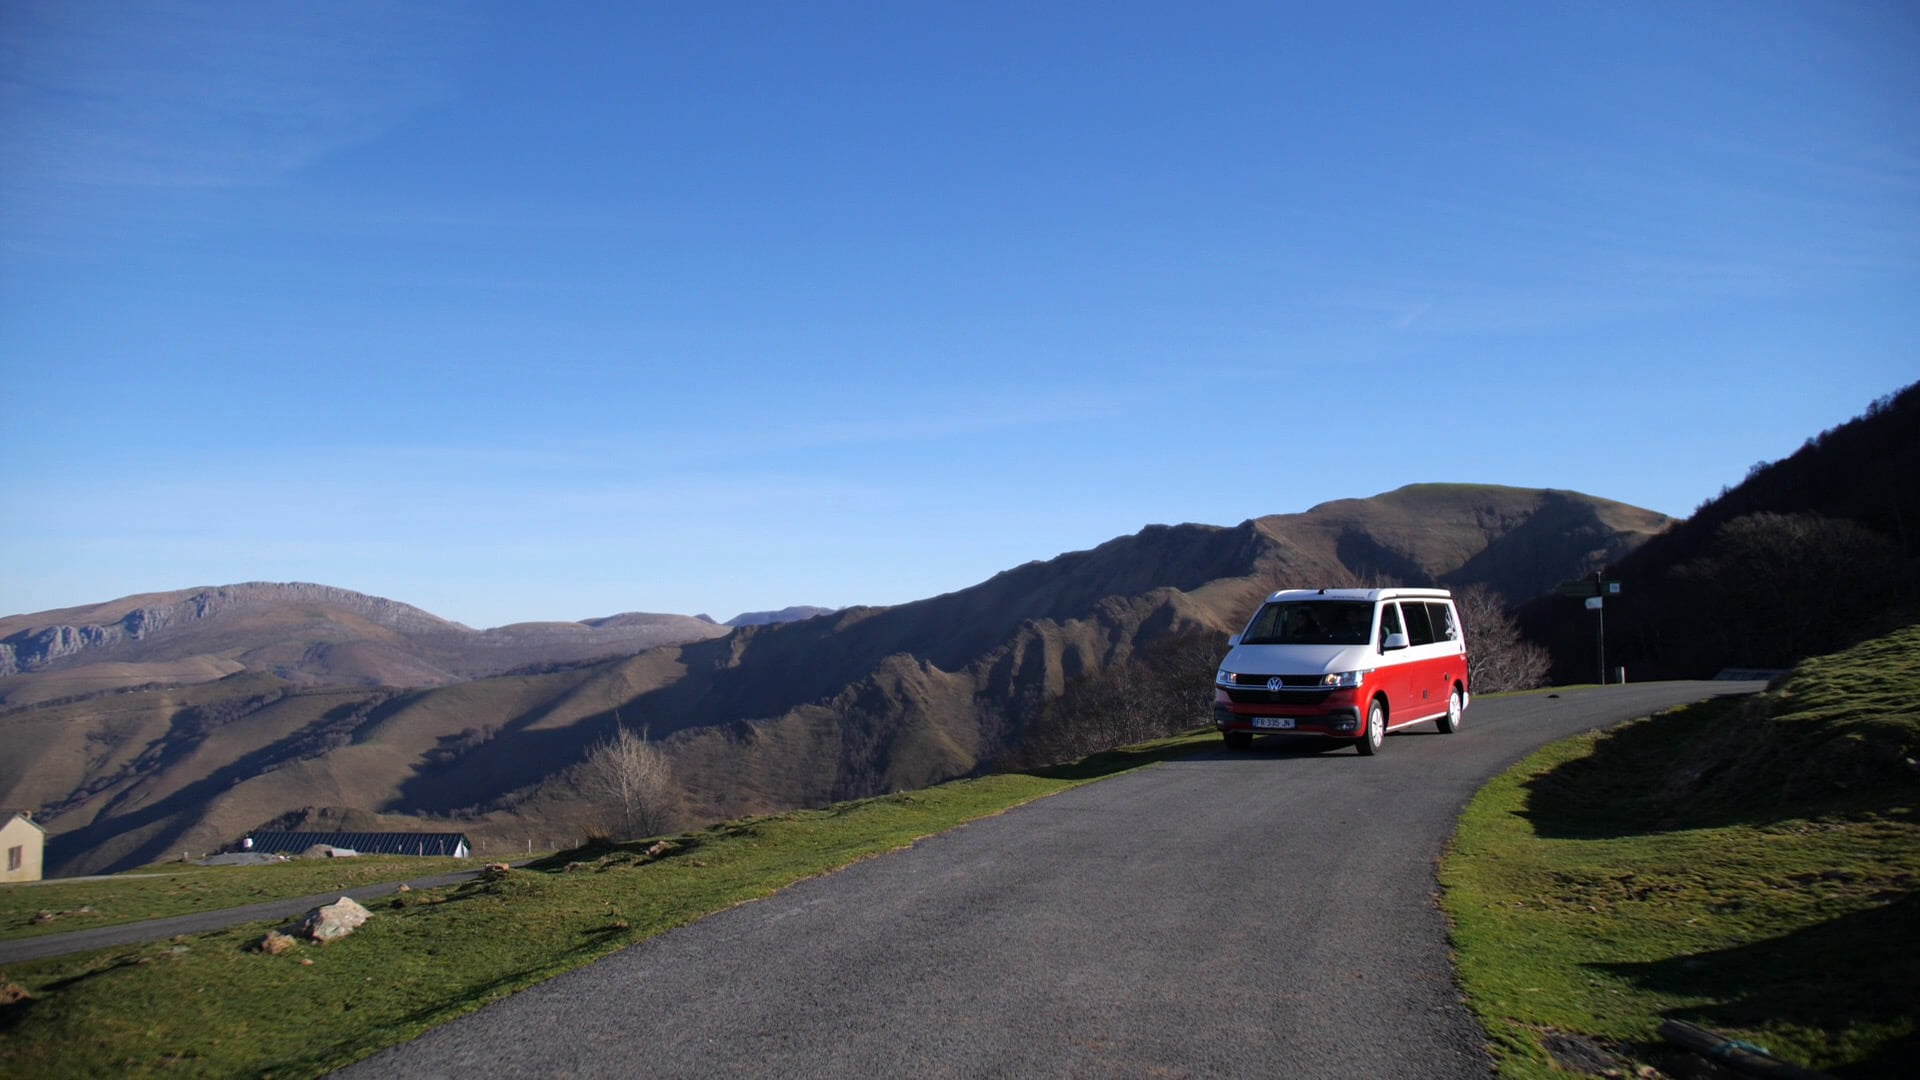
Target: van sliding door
(1391, 676)
(1423, 664)
(1450, 665)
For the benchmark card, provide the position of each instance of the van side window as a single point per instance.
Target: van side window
(1389, 623)
(1443, 628)
(1419, 629)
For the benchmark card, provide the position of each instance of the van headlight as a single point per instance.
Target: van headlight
(1344, 679)
(1223, 677)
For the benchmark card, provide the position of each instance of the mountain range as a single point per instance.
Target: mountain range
(309, 635)
(173, 722)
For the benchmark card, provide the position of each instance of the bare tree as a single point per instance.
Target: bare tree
(630, 773)
(1497, 657)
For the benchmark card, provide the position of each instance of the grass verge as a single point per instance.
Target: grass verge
(1751, 867)
(212, 1006)
(157, 892)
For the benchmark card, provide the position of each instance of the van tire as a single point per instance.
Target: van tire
(1450, 723)
(1375, 735)
(1237, 740)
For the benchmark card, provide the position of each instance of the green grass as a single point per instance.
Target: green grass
(211, 1006)
(157, 892)
(1749, 867)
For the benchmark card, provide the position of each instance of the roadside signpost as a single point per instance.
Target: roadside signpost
(1595, 593)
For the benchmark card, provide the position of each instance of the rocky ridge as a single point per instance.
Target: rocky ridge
(36, 648)
(304, 632)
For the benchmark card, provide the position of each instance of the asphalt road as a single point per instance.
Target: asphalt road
(203, 922)
(1268, 913)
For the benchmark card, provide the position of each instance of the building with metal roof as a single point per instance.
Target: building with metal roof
(451, 845)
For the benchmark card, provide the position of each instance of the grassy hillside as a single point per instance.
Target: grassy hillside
(1517, 541)
(159, 892)
(1750, 867)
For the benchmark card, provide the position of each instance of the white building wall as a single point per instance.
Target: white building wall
(24, 835)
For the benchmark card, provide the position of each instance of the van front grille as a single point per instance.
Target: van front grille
(1246, 679)
(1282, 697)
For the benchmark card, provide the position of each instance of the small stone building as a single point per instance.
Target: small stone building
(452, 845)
(25, 845)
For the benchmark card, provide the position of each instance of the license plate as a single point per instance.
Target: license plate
(1278, 723)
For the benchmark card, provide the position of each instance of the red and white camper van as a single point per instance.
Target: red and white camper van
(1347, 663)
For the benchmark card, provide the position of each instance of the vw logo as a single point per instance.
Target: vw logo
(1275, 683)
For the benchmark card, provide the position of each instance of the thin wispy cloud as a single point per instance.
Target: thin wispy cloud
(1411, 315)
(189, 95)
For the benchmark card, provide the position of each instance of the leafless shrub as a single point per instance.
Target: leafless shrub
(1497, 657)
(631, 775)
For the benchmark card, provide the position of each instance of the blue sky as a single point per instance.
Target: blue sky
(552, 311)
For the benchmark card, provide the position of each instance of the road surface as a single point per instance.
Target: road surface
(1268, 913)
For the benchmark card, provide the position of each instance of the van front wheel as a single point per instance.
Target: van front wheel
(1376, 733)
(1450, 723)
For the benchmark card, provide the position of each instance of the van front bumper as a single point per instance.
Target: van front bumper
(1340, 721)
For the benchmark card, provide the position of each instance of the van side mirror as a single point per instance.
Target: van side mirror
(1394, 641)
(1233, 641)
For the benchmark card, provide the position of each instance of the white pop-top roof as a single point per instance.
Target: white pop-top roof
(1368, 595)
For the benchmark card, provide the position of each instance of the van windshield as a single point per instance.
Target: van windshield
(1311, 622)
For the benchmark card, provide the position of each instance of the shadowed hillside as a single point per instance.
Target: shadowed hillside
(768, 717)
(1806, 556)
